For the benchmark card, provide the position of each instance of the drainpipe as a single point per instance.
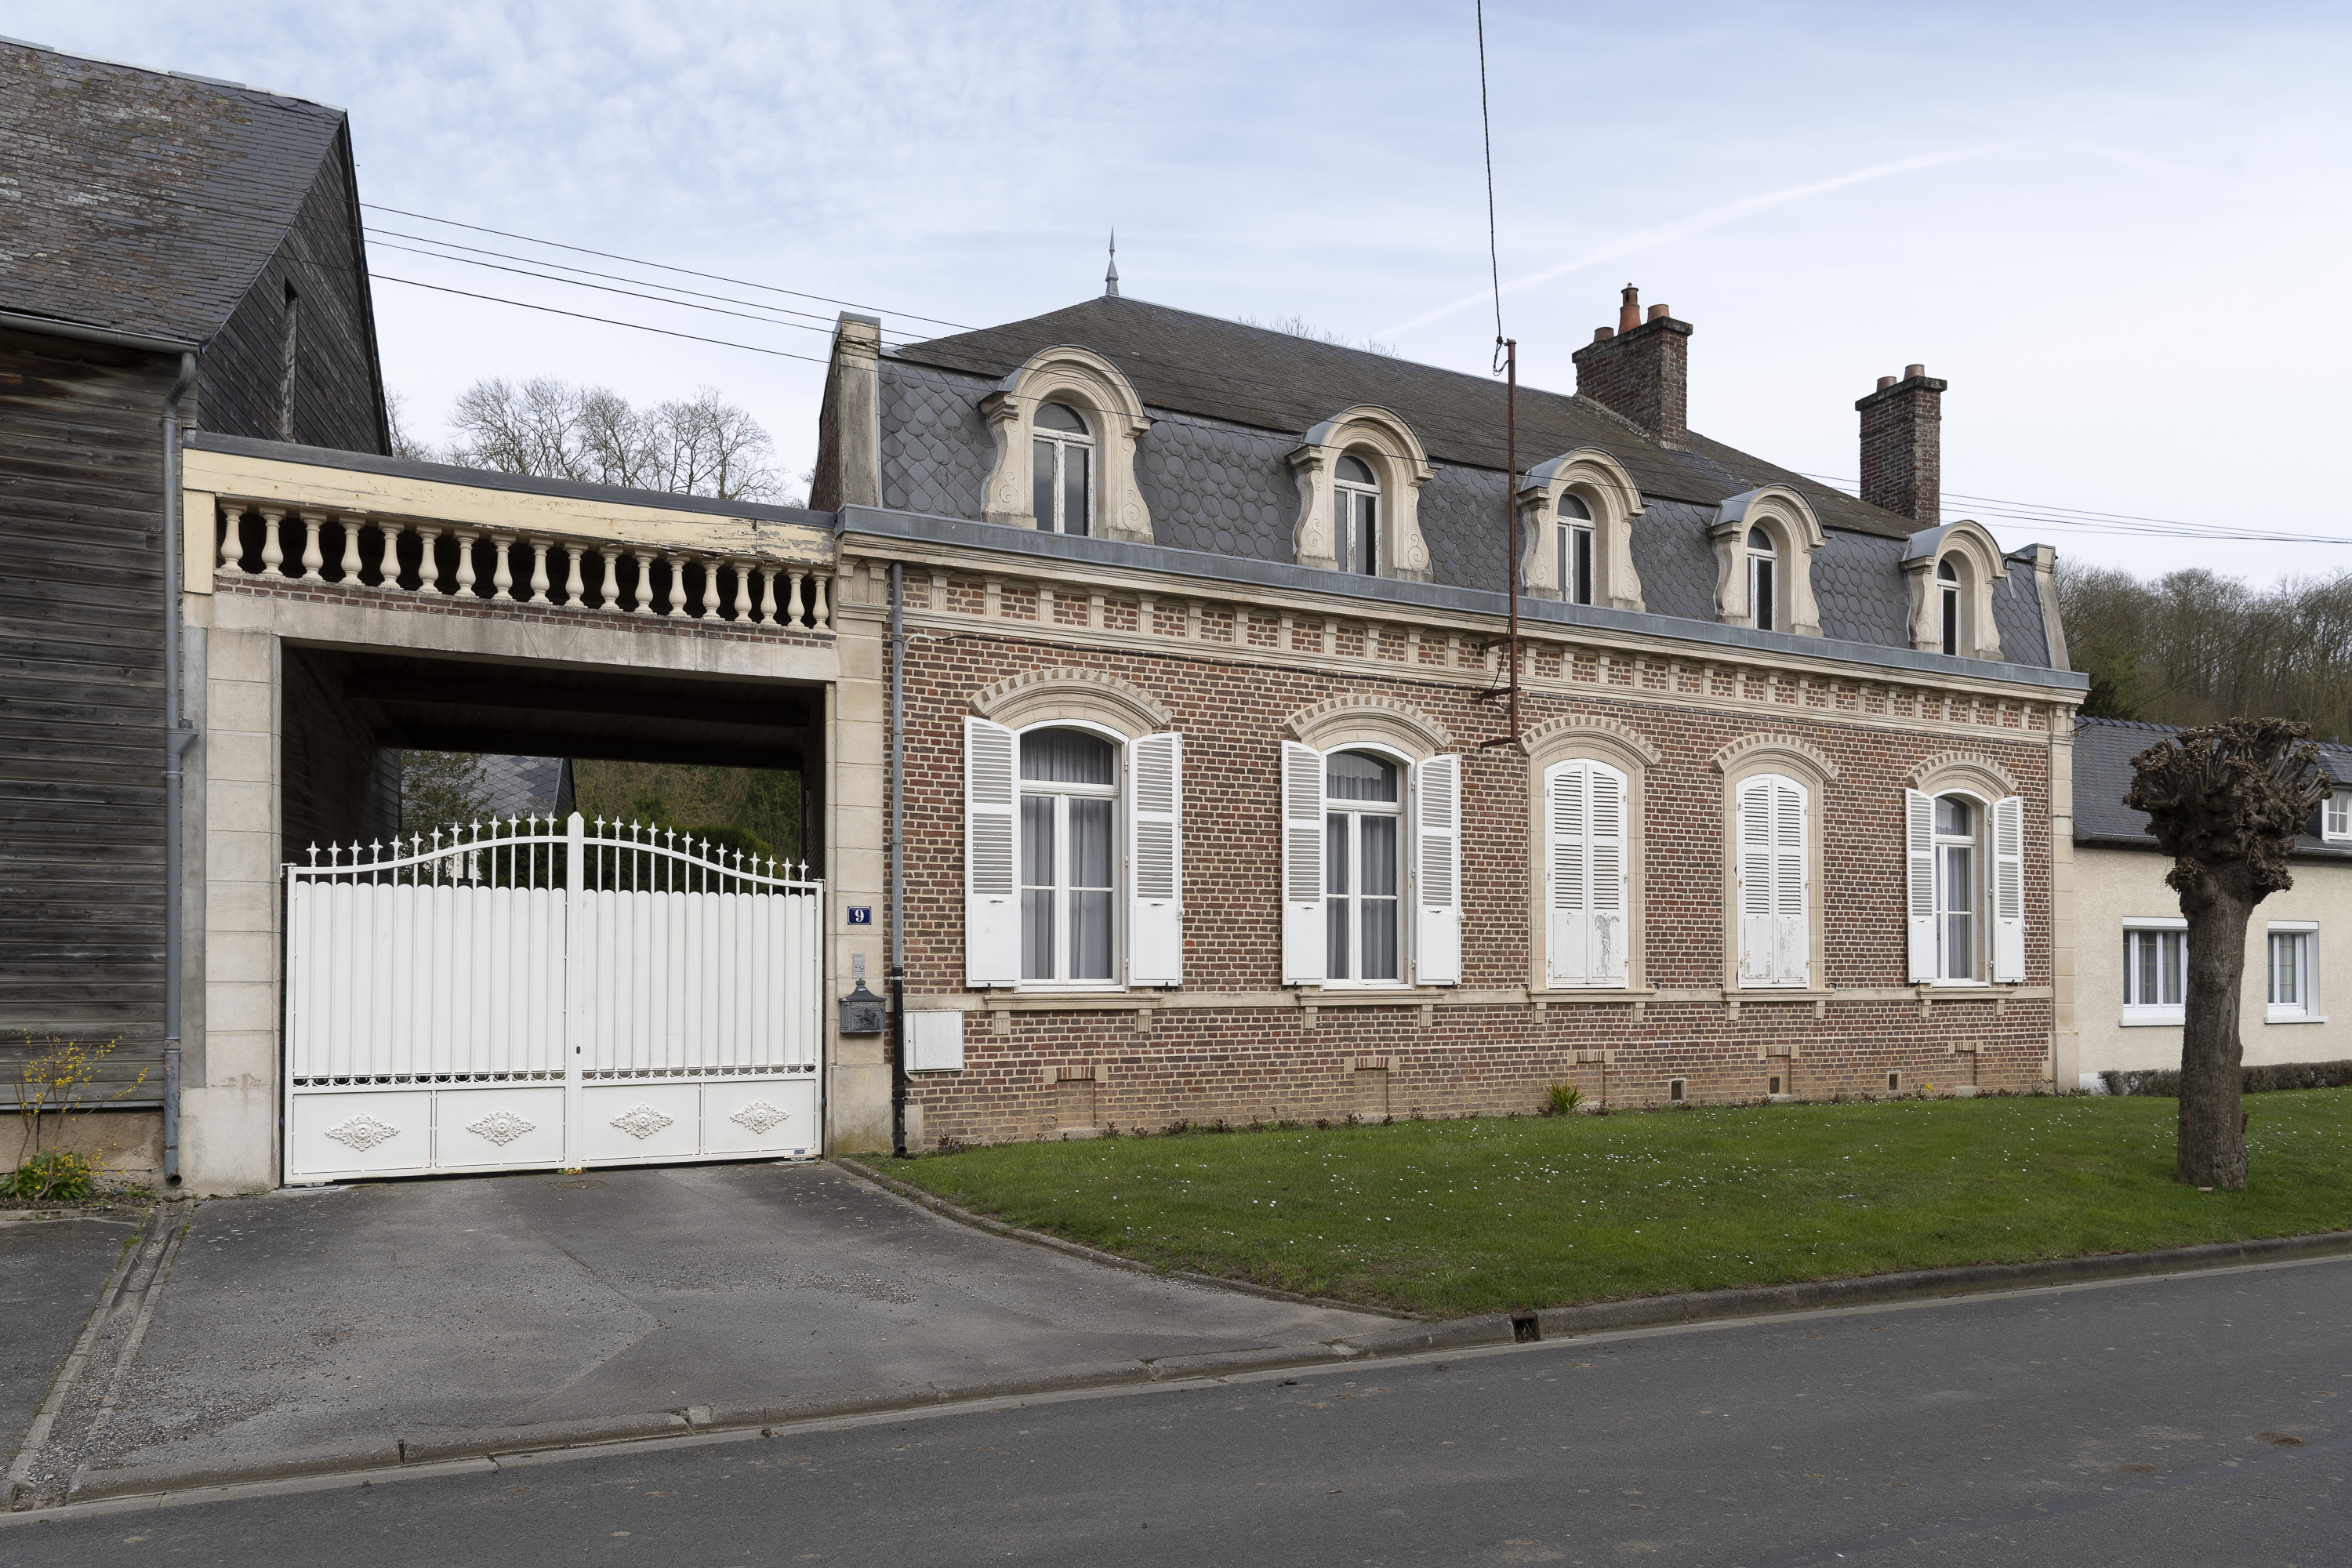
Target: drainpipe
(898, 862)
(177, 738)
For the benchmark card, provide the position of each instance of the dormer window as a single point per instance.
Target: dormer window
(1356, 513)
(1763, 562)
(1062, 470)
(1948, 590)
(2337, 826)
(1574, 532)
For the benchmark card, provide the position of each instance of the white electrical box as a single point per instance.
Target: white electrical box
(935, 1042)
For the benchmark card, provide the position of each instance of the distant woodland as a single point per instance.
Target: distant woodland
(749, 809)
(2195, 646)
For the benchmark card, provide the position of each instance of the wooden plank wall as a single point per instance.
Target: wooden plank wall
(81, 664)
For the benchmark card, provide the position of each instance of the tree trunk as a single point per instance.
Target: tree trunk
(2213, 1134)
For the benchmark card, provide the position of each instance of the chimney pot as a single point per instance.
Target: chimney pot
(1884, 381)
(1910, 370)
(1602, 334)
(1658, 312)
(1629, 309)
(1902, 457)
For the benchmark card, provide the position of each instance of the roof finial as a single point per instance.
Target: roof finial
(1110, 278)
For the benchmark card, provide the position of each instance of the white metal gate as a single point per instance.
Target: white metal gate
(533, 994)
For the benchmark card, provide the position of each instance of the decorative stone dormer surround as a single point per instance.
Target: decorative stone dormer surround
(1610, 494)
(1387, 445)
(1093, 389)
(1788, 522)
(1977, 561)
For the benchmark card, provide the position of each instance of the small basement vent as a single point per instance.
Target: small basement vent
(1675, 1089)
(1894, 1082)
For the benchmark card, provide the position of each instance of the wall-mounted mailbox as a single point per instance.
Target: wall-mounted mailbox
(861, 1012)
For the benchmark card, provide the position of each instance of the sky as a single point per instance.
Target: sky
(2118, 232)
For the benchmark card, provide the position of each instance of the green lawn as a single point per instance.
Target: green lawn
(1451, 1217)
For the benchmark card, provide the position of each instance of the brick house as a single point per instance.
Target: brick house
(1212, 807)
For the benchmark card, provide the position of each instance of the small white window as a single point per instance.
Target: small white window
(2156, 973)
(1356, 517)
(1363, 869)
(1947, 589)
(1763, 562)
(1062, 470)
(2294, 990)
(1575, 546)
(1069, 788)
(2338, 825)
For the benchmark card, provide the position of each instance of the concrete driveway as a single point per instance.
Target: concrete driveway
(399, 1310)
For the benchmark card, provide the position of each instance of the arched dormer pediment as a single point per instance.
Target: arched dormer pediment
(1631, 747)
(1354, 718)
(1946, 769)
(1787, 518)
(1105, 402)
(1977, 563)
(1385, 444)
(1614, 501)
(1043, 696)
(1751, 753)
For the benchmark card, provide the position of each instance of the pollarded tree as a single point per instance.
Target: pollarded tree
(2226, 803)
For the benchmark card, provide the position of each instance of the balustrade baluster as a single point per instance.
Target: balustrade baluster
(709, 592)
(273, 557)
(743, 591)
(677, 586)
(350, 564)
(465, 538)
(573, 594)
(611, 592)
(501, 573)
(793, 612)
(387, 569)
(428, 559)
(768, 594)
(232, 548)
(645, 582)
(311, 558)
(820, 615)
(539, 572)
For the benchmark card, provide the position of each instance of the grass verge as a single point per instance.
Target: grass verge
(1491, 1214)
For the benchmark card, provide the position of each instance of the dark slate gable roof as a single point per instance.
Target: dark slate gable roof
(142, 201)
(1255, 376)
(2104, 749)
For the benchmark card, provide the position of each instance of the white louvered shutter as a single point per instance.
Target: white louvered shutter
(1155, 907)
(1568, 861)
(1304, 952)
(2009, 888)
(1920, 880)
(992, 890)
(1612, 930)
(1792, 928)
(1437, 892)
(1752, 868)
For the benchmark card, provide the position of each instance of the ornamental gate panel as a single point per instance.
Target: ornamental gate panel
(530, 993)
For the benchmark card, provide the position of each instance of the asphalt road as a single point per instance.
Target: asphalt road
(2200, 1420)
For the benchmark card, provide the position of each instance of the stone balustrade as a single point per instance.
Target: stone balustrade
(496, 565)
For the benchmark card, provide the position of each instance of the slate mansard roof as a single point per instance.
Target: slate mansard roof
(2104, 750)
(142, 201)
(1230, 401)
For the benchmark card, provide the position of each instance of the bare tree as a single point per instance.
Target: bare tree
(1300, 327)
(405, 444)
(703, 446)
(2226, 803)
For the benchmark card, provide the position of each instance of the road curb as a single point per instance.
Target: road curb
(962, 1216)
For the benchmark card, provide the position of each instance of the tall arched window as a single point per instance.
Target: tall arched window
(1763, 562)
(1948, 592)
(1960, 874)
(1575, 543)
(1363, 867)
(1069, 793)
(1062, 470)
(1356, 516)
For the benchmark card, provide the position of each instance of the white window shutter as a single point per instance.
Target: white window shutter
(2009, 888)
(1791, 927)
(1155, 816)
(992, 890)
(1437, 842)
(1612, 930)
(1567, 907)
(1303, 947)
(1752, 868)
(1919, 881)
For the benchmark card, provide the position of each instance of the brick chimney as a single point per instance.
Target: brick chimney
(1641, 368)
(1902, 455)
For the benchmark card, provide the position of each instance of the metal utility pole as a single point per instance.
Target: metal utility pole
(1510, 347)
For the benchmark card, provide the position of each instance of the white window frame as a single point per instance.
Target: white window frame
(1399, 810)
(1763, 609)
(2305, 1008)
(1575, 537)
(1981, 888)
(1764, 951)
(1346, 514)
(2335, 817)
(2138, 1015)
(1061, 795)
(1949, 615)
(1430, 942)
(1587, 933)
(1062, 441)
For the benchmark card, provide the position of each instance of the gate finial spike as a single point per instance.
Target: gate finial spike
(314, 852)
